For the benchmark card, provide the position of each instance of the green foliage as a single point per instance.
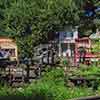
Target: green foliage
(5, 90)
(49, 87)
(30, 20)
(95, 45)
(87, 72)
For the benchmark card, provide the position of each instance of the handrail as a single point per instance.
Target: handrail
(87, 98)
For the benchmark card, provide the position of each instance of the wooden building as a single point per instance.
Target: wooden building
(85, 43)
(8, 45)
(67, 44)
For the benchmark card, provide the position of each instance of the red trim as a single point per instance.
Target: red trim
(81, 39)
(88, 55)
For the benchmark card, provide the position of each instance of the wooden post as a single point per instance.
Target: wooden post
(48, 56)
(28, 73)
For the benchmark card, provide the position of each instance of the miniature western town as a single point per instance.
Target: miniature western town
(50, 50)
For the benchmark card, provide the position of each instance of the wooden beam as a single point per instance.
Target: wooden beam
(87, 98)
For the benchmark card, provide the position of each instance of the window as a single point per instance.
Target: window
(12, 52)
(68, 34)
(64, 35)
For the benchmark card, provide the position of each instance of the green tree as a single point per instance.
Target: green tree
(30, 20)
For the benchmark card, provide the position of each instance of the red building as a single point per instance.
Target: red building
(85, 43)
(70, 44)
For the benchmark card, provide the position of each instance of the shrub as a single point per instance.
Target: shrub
(49, 87)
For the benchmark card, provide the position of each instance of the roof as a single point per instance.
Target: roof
(5, 34)
(94, 36)
(4, 37)
(82, 39)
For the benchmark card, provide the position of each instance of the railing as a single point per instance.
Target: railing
(87, 98)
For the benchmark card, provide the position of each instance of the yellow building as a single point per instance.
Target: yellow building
(9, 45)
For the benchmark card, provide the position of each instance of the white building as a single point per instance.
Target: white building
(67, 42)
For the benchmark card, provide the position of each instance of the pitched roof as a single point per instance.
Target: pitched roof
(94, 36)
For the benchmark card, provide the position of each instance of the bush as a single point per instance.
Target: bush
(49, 87)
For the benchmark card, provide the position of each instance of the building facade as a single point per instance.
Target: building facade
(8, 47)
(84, 43)
(70, 44)
(67, 44)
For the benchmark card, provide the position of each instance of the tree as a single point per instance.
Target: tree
(89, 24)
(31, 21)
